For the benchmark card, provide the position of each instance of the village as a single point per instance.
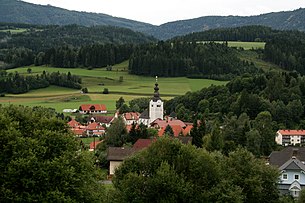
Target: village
(290, 160)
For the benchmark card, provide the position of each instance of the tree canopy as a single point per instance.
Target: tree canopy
(169, 171)
(40, 160)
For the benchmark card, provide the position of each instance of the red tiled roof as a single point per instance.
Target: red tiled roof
(95, 107)
(177, 129)
(164, 123)
(73, 123)
(78, 131)
(187, 130)
(95, 126)
(93, 145)
(292, 132)
(131, 115)
(142, 143)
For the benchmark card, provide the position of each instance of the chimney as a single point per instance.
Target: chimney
(294, 152)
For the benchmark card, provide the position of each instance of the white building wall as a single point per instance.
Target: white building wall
(113, 166)
(155, 110)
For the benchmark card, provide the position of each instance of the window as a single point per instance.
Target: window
(285, 176)
(159, 105)
(296, 177)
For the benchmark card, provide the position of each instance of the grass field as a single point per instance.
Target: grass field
(244, 45)
(96, 80)
(14, 31)
(252, 56)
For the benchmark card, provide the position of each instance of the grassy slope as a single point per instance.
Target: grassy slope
(252, 56)
(132, 87)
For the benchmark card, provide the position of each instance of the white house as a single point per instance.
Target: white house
(290, 137)
(290, 162)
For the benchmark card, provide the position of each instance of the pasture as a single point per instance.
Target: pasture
(244, 45)
(96, 80)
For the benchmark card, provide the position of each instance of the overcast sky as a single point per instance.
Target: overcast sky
(161, 11)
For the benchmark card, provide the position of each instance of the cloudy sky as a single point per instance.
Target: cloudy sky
(161, 11)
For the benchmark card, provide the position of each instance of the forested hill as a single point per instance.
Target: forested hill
(288, 20)
(251, 33)
(23, 12)
(42, 38)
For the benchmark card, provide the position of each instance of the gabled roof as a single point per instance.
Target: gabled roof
(103, 119)
(119, 153)
(163, 123)
(292, 132)
(177, 129)
(142, 143)
(278, 158)
(95, 126)
(131, 115)
(73, 123)
(293, 164)
(93, 107)
(145, 114)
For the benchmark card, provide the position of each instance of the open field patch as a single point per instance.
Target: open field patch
(96, 80)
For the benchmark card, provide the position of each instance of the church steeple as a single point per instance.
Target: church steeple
(156, 93)
(156, 105)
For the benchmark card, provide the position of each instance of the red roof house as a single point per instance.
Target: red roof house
(143, 143)
(73, 124)
(92, 108)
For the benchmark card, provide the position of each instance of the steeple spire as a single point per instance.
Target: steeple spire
(156, 93)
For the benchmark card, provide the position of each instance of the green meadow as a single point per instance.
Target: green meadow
(244, 45)
(96, 80)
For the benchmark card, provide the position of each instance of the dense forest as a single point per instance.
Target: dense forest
(249, 109)
(287, 49)
(17, 84)
(254, 33)
(199, 60)
(66, 46)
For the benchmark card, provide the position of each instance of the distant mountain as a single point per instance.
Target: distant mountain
(22, 12)
(288, 20)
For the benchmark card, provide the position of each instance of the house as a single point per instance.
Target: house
(290, 162)
(142, 143)
(103, 120)
(290, 137)
(95, 129)
(92, 108)
(74, 124)
(116, 155)
(131, 117)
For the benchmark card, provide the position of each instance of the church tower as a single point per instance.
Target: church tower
(155, 105)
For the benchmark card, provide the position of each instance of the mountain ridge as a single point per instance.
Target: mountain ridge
(24, 12)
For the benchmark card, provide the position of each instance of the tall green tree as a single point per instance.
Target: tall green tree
(117, 133)
(40, 161)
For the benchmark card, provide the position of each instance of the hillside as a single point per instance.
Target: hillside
(22, 12)
(288, 20)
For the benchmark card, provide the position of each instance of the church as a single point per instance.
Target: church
(155, 110)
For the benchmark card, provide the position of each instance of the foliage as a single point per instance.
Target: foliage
(178, 58)
(117, 133)
(287, 50)
(169, 171)
(16, 83)
(249, 109)
(40, 161)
